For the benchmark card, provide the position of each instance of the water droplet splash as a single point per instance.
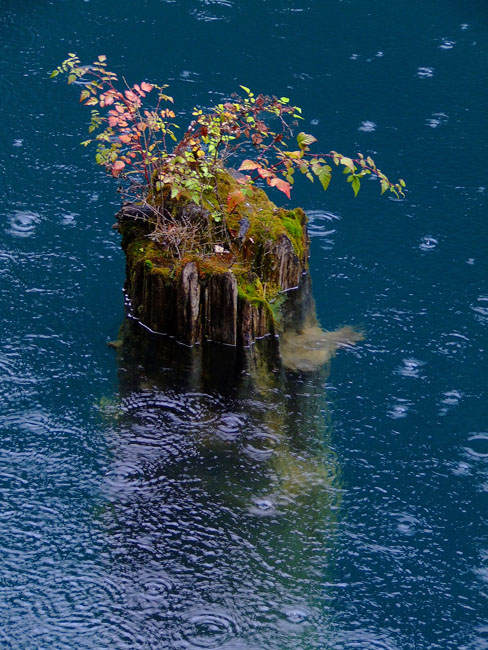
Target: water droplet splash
(428, 243)
(425, 73)
(367, 126)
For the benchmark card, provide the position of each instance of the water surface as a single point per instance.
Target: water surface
(341, 509)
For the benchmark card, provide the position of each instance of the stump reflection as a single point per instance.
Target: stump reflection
(223, 493)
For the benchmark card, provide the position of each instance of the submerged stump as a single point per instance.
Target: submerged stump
(229, 280)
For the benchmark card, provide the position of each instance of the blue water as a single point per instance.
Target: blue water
(345, 509)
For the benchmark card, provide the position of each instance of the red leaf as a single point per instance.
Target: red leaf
(107, 99)
(146, 87)
(281, 185)
(117, 167)
(247, 165)
(233, 200)
(124, 138)
(130, 95)
(265, 173)
(113, 121)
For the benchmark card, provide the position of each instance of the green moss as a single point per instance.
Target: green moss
(165, 271)
(267, 223)
(294, 222)
(275, 307)
(251, 289)
(250, 259)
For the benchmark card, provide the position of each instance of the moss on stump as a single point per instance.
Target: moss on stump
(195, 278)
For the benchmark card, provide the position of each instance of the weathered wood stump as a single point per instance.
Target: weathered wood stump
(197, 279)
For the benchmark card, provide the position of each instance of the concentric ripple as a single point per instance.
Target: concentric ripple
(23, 223)
(209, 628)
(478, 445)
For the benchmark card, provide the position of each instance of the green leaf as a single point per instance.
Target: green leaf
(294, 155)
(71, 78)
(304, 139)
(384, 186)
(347, 162)
(356, 184)
(54, 73)
(324, 177)
(284, 100)
(402, 182)
(244, 88)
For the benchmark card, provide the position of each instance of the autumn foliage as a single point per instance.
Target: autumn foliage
(135, 133)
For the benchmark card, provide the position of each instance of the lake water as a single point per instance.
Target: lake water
(336, 510)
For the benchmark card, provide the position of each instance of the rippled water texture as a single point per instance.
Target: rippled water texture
(147, 505)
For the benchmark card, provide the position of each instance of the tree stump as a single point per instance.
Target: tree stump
(197, 279)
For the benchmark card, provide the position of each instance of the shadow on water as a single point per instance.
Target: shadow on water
(222, 493)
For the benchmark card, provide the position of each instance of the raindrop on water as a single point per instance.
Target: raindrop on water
(367, 126)
(428, 243)
(424, 73)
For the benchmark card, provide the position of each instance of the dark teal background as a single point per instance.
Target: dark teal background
(109, 536)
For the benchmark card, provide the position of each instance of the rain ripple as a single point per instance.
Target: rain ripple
(478, 446)
(428, 243)
(362, 640)
(13, 383)
(425, 73)
(367, 126)
(23, 223)
(481, 309)
(319, 226)
(437, 119)
(209, 627)
(217, 11)
(410, 368)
